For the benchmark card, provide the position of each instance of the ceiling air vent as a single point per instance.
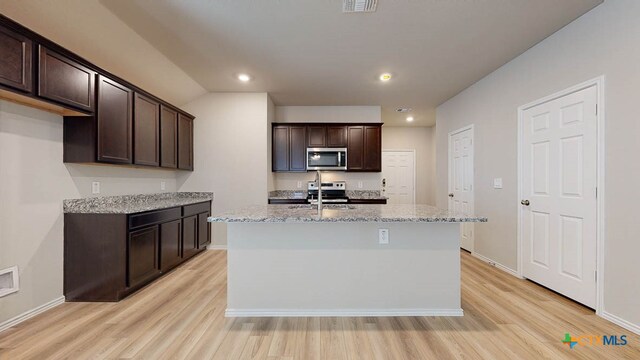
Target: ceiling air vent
(403, 110)
(351, 6)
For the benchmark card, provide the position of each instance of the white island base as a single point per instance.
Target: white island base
(340, 269)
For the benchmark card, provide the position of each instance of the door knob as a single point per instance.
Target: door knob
(525, 202)
(451, 195)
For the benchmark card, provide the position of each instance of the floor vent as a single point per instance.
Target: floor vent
(9, 281)
(353, 6)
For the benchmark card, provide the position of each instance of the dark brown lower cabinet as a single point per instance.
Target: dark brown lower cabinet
(204, 230)
(170, 244)
(189, 236)
(109, 256)
(143, 255)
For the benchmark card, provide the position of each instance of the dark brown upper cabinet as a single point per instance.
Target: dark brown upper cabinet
(185, 142)
(336, 136)
(355, 148)
(316, 136)
(16, 60)
(297, 148)
(168, 137)
(114, 128)
(364, 148)
(280, 148)
(289, 148)
(372, 148)
(65, 81)
(146, 131)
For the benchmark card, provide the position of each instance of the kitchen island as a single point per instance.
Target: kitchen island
(290, 260)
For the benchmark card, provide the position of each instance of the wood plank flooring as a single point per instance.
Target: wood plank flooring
(181, 316)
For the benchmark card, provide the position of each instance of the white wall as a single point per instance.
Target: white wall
(231, 134)
(320, 114)
(603, 41)
(89, 29)
(422, 140)
(33, 183)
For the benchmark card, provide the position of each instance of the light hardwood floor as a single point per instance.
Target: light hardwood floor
(182, 316)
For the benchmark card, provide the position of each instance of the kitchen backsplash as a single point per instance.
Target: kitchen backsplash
(290, 181)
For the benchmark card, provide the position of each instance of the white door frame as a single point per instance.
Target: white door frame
(600, 234)
(415, 170)
(473, 169)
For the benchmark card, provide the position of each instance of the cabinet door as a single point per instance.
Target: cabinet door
(185, 142)
(16, 60)
(297, 148)
(143, 255)
(168, 137)
(65, 81)
(114, 122)
(355, 148)
(316, 136)
(146, 131)
(373, 148)
(189, 236)
(280, 148)
(204, 230)
(336, 136)
(170, 244)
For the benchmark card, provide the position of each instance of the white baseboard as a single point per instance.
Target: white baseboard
(621, 322)
(341, 313)
(506, 269)
(30, 313)
(216, 247)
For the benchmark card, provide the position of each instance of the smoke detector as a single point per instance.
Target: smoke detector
(353, 6)
(403, 110)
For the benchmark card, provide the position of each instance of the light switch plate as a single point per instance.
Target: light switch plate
(497, 183)
(359, 184)
(163, 185)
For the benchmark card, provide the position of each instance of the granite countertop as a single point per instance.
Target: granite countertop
(129, 204)
(344, 213)
(302, 194)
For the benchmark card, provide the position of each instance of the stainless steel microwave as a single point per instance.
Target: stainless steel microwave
(326, 158)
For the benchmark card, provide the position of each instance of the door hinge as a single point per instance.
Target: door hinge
(596, 192)
(596, 109)
(596, 275)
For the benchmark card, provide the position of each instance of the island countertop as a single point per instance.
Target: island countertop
(344, 213)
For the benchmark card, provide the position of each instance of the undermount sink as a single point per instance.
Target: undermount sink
(325, 206)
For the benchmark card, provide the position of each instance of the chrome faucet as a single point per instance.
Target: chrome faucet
(318, 182)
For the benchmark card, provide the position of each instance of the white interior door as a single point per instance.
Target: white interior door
(398, 174)
(559, 206)
(461, 180)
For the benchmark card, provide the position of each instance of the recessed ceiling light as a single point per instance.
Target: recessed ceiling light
(244, 77)
(409, 118)
(385, 77)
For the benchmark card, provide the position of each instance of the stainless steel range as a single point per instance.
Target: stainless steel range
(332, 192)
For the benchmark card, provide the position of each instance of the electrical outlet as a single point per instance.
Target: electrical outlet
(383, 236)
(497, 183)
(359, 184)
(299, 184)
(95, 187)
(163, 185)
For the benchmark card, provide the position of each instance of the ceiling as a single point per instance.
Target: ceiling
(307, 52)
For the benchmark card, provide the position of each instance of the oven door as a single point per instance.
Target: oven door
(326, 159)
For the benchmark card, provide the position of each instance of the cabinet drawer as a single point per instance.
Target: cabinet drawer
(194, 209)
(153, 217)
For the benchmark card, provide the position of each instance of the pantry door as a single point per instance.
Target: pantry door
(558, 214)
(461, 175)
